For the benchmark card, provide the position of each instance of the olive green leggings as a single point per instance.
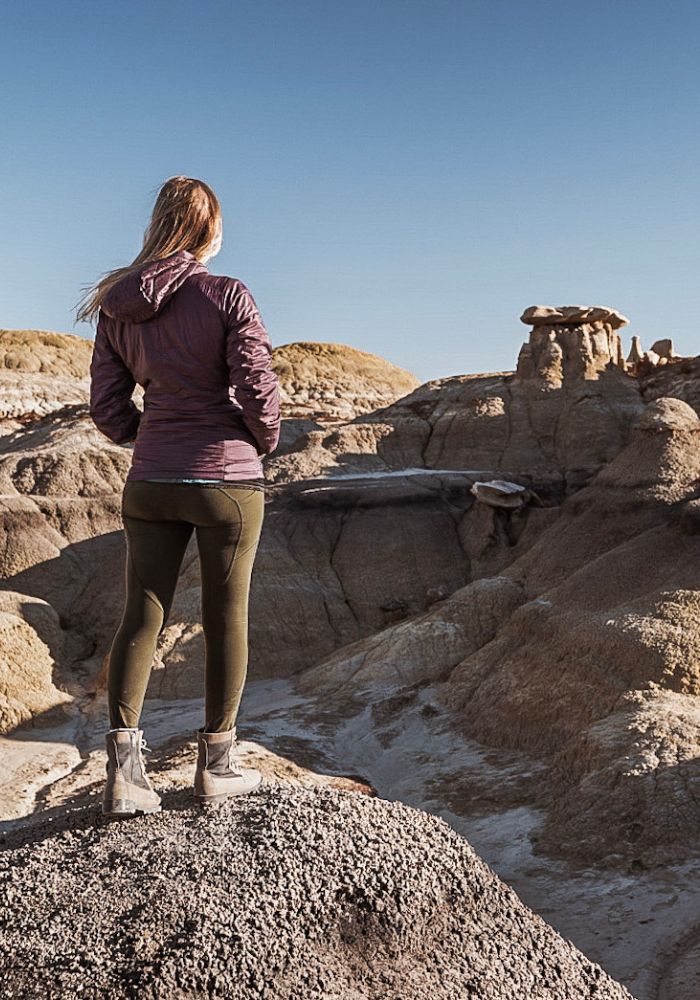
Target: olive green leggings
(158, 522)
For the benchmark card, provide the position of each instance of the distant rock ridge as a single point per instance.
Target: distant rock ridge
(320, 382)
(45, 352)
(336, 382)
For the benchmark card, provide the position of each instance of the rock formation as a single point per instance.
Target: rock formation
(661, 352)
(554, 422)
(636, 353)
(570, 342)
(286, 892)
(500, 493)
(664, 349)
(597, 317)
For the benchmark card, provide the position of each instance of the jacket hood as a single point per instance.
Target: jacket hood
(139, 295)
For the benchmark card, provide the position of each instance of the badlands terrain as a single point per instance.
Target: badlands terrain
(476, 707)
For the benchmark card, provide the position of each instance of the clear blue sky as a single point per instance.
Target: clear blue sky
(399, 176)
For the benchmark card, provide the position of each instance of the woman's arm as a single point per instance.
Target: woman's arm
(111, 386)
(251, 375)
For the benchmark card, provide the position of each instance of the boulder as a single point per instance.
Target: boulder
(664, 348)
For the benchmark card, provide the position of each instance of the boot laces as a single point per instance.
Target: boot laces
(140, 748)
(233, 761)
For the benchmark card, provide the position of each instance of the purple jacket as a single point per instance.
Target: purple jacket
(196, 343)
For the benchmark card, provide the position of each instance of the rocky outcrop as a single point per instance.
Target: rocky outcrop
(573, 316)
(284, 892)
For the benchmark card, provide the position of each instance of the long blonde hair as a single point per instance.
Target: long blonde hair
(186, 216)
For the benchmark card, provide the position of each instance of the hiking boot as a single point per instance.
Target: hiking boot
(219, 773)
(128, 789)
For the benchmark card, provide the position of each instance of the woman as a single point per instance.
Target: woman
(196, 343)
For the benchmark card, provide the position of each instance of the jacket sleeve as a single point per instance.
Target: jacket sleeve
(251, 375)
(111, 385)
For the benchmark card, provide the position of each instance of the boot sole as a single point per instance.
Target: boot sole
(125, 807)
(205, 800)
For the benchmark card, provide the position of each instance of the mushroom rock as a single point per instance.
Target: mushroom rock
(572, 316)
(570, 342)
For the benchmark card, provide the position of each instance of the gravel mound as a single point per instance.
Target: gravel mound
(289, 892)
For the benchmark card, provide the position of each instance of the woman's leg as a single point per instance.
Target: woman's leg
(155, 549)
(227, 553)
